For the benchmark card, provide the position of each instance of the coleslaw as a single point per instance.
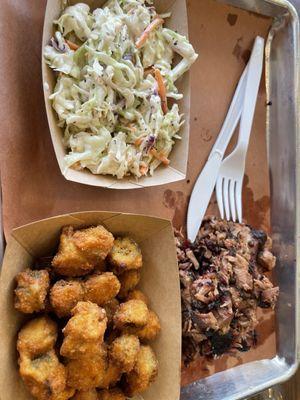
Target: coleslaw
(115, 93)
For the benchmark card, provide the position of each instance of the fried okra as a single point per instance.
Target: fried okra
(125, 255)
(84, 332)
(95, 370)
(101, 288)
(137, 295)
(80, 251)
(124, 351)
(112, 394)
(150, 331)
(64, 295)
(31, 290)
(97, 361)
(90, 394)
(132, 313)
(44, 376)
(86, 372)
(65, 395)
(111, 375)
(36, 337)
(98, 288)
(143, 374)
(129, 280)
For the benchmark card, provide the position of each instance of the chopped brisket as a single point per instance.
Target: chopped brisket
(205, 322)
(269, 297)
(222, 284)
(266, 259)
(243, 278)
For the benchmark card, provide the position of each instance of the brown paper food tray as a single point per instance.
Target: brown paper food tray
(33, 187)
(159, 275)
(164, 174)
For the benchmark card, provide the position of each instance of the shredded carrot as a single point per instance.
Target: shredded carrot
(161, 157)
(132, 127)
(161, 90)
(143, 169)
(138, 141)
(73, 46)
(144, 36)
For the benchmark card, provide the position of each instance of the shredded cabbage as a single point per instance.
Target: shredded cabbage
(107, 97)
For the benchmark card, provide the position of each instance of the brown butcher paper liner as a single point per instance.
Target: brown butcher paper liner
(33, 187)
(176, 170)
(159, 275)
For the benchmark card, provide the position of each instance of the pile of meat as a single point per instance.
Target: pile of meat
(222, 284)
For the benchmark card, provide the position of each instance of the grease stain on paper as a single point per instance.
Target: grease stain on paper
(205, 134)
(265, 325)
(176, 201)
(238, 49)
(203, 367)
(231, 19)
(197, 369)
(255, 212)
(239, 52)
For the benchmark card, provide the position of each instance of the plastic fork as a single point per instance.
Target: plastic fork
(231, 174)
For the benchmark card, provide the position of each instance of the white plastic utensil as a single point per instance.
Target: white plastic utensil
(206, 181)
(231, 172)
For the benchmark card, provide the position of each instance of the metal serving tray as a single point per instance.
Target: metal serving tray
(282, 70)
